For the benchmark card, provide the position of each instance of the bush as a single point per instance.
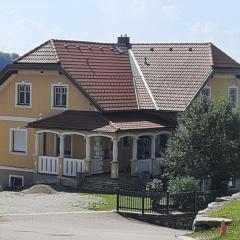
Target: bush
(183, 184)
(156, 185)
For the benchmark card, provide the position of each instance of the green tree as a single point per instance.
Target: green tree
(6, 58)
(206, 143)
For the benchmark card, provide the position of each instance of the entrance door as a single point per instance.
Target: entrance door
(98, 157)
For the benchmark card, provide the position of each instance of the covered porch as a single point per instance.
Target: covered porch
(127, 147)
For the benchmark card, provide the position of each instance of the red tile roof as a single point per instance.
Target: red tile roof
(167, 76)
(108, 122)
(101, 69)
(174, 73)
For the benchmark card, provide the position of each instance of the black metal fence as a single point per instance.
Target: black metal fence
(164, 202)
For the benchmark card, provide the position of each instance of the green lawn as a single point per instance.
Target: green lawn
(107, 202)
(231, 211)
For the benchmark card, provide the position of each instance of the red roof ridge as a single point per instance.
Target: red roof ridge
(173, 43)
(54, 49)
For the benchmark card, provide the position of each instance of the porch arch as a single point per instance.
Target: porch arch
(73, 133)
(100, 135)
(48, 131)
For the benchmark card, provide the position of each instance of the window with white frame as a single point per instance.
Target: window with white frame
(233, 96)
(60, 96)
(205, 93)
(23, 94)
(18, 143)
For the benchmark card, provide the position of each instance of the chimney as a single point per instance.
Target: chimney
(124, 40)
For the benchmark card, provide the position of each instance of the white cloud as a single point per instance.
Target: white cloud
(203, 31)
(171, 11)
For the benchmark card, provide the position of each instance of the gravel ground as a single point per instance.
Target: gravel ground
(21, 203)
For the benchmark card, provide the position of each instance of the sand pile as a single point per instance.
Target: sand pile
(40, 189)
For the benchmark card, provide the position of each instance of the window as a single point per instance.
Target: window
(60, 96)
(23, 94)
(205, 93)
(67, 146)
(233, 96)
(161, 143)
(16, 181)
(18, 138)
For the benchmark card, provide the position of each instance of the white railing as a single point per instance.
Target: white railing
(73, 166)
(143, 165)
(97, 165)
(48, 165)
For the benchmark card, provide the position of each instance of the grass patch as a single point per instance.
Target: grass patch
(107, 202)
(232, 211)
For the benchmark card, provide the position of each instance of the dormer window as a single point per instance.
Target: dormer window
(23, 94)
(60, 96)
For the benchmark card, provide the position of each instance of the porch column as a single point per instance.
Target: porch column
(36, 153)
(114, 163)
(153, 156)
(134, 157)
(61, 156)
(88, 155)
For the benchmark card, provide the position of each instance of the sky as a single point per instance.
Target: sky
(24, 24)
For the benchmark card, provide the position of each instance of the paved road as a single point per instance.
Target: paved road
(75, 226)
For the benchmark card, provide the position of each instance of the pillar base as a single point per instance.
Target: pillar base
(88, 166)
(114, 170)
(133, 167)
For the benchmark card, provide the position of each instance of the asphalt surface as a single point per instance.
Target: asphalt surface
(71, 226)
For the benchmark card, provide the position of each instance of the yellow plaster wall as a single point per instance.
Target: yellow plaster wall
(220, 83)
(15, 160)
(41, 95)
(40, 104)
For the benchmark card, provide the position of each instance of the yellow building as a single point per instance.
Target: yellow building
(70, 108)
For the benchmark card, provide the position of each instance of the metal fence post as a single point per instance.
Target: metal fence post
(195, 202)
(117, 201)
(143, 202)
(168, 202)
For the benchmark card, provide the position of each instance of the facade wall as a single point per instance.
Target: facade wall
(12, 116)
(219, 85)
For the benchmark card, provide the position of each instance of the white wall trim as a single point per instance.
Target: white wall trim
(17, 119)
(16, 169)
(16, 94)
(144, 80)
(17, 176)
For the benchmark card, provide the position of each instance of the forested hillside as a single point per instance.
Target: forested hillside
(6, 58)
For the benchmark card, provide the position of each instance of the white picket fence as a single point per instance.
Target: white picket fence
(48, 165)
(73, 166)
